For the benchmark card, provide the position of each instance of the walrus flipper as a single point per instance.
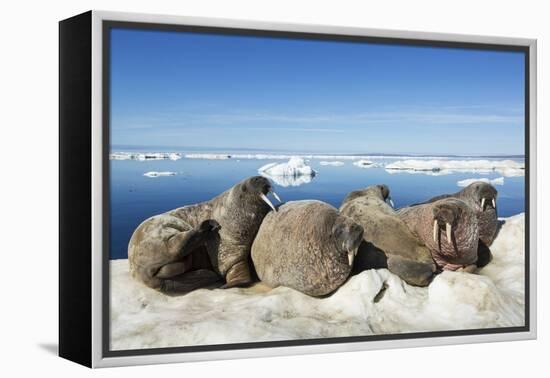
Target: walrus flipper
(184, 243)
(484, 255)
(187, 282)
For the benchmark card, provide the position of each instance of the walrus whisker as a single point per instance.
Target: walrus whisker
(436, 229)
(276, 196)
(448, 228)
(266, 200)
(482, 203)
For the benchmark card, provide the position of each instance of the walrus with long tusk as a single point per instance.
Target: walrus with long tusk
(197, 245)
(481, 197)
(449, 228)
(387, 241)
(307, 246)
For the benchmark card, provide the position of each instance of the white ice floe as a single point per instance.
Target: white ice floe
(332, 163)
(159, 174)
(373, 302)
(209, 156)
(466, 182)
(296, 166)
(363, 163)
(145, 156)
(295, 172)
(268, 156)
(507, 168)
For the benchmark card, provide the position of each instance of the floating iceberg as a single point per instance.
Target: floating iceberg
(145, 156)
(296, 166)
(332, 163)
(293, 173)
(364, 164)
(159, 174)
(373, 302)
(466, 182)
(507, 168)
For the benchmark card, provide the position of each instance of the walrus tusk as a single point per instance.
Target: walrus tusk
(435, 230)
(276, 196)
(482, 203)
(266, 200)
(350, 258)
(391, 202)
(494, 203)
(448, 228)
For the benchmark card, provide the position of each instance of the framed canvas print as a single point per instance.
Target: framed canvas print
(232, 189)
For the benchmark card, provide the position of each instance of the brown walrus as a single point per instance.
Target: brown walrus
(387, 241)
(197, 245)
(449, 228)
(307, 246)
(482, 197)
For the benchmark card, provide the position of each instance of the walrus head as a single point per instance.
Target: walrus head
(381, 191)
(348, 235)
(446, 216)
(258, 187)
(483, 195)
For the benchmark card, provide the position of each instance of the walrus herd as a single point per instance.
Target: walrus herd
(240, 236)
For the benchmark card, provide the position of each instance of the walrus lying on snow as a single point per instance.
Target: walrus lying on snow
(449, 228)
(387, 241)
(197, 245)
(307, 246)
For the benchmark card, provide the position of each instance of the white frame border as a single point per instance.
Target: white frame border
(97, 205)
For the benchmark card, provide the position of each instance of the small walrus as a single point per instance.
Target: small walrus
(197, 245)
(449, 228)
(387, 241)
(481, 197)
(307, 246)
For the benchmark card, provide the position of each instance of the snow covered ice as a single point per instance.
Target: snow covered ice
(145, 156)
(507, 168)
(332, 163)
(373, 302)
(364, 164)
(293, 173)
(159, 174)
(466, 182)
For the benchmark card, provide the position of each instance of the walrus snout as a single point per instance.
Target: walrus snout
(485, 193)
(348, 235)
(446, 214)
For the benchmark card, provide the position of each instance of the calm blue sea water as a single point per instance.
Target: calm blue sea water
(135, 197)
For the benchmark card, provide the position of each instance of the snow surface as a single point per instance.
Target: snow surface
(364, 164)
(332, 163)
(466, 182)
(507, 168)
(494, 297)
(145, 156)
(159, 174)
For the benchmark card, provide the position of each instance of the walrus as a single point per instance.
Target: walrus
(197, 245)
(307, 246)
(481, 197)
(387, 241)
(449, 228)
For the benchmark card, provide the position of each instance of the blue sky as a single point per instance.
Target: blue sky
(189, 90)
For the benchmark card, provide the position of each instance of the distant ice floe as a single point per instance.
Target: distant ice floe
(364, 164)
(466, 182)
(263, 156)
(332, 163)
(159, 174)
(507, 168)
(145, 156)
(293, 173)
(492, 297)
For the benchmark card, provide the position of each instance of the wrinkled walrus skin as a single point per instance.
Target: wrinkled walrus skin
(307, 246)
(482, 197)
(387, 241)
(197, 245)
(449, 228)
